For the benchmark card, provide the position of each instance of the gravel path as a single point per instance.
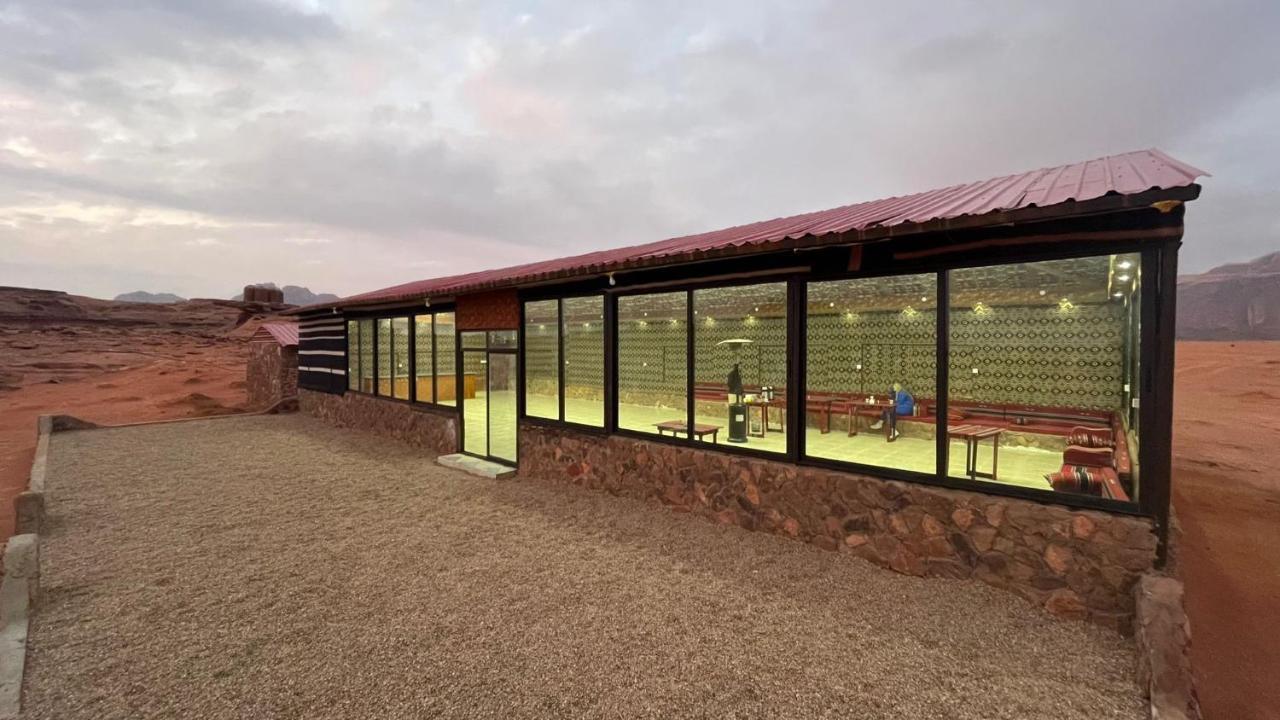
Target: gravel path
(273, 567)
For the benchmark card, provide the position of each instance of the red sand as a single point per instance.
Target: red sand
(1226, 447)
(1227, 496)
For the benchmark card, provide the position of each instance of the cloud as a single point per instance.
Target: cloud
(428, 138)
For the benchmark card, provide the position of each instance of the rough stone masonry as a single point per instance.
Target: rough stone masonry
(1075, 563)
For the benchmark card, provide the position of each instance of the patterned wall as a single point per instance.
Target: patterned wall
(1024, 355)
(1040, 355)
(497, 310)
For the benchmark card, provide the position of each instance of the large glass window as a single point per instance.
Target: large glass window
(400, 357)
(652, 363)
(871, 371)
(423, 359)
(1040, 357)
(353, 355)
(366, 356)
(542, 359)
(384, 357)
(582, 324)
(446, 359)
(740, 365)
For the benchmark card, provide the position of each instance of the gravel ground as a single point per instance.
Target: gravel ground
(274, 567)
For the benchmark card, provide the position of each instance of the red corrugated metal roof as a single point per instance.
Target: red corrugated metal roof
(285, 334)
(1124, 174)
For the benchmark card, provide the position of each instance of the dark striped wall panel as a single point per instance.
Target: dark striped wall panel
(322, 353)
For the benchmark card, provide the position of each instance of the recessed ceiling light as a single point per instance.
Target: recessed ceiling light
(831, 304)
(1122, 278)
(1118, 295)
(1042, 293)
(1124, 264)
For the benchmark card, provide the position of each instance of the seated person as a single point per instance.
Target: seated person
(903, 404)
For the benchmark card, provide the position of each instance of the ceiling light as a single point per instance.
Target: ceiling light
(1118, 295)
(1124, 264)
(831, 304)
(1041, 293)
(1122, 278)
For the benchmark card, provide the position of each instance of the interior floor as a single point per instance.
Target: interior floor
(1024, 466)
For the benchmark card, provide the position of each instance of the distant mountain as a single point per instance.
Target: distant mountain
(1239, 301)
(142, 296)
(296, 295)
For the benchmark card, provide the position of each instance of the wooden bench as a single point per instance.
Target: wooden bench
(676, 427)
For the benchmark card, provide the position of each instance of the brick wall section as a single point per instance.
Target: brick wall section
(1074, 563)
(498, 310)
(430, 430)
(271, 375)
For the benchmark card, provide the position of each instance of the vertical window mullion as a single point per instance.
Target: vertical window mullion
(942, 374)
(561, 327)
(797, 348)
(690, 401)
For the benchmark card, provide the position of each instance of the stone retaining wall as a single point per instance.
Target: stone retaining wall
(1075, 563)
(433, 430)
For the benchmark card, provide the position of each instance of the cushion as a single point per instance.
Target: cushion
(956, 414)
(1093, 457)
(1091, 437)
(1079, 479)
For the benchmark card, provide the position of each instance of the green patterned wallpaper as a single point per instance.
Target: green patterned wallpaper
(1038, 355)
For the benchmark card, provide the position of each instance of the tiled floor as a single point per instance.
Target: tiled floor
(1018, 465)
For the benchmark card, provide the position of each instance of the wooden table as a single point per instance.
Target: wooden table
(675, 427)
(855, 405)
(972, 434)
(824, 403)
(764, 406)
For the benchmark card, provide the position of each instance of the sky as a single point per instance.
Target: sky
(194, 147)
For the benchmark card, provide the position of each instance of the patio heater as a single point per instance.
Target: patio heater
(737, 408)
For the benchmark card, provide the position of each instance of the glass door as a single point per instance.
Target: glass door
(502, 405)
(489, 401)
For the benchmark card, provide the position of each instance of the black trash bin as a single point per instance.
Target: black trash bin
(737, 422)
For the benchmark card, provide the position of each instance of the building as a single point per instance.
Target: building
(974, 381)
(272, 372)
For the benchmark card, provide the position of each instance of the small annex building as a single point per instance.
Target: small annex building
(974, 381)
(272, 372)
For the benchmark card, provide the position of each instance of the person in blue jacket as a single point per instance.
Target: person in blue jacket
(903, 404)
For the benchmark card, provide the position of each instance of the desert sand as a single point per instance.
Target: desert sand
(112, 363)
(116, 363)
(1227, 498)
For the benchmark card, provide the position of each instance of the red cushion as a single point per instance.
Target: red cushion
(1091, 437)
(1090, 456)
(1099, 482)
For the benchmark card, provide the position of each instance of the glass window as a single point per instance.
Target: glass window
(446, 357)
(583, 328)
(740, 365)
(542, 359)
(366, 356)
(871, 371)
(1037, 375)
(400, 353)
(423, 356)
(503, 338)
(384, 357)
(652, 363)
(353, 355)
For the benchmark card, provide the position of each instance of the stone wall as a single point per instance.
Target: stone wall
(271, 375)
(1075, 563)
(431, 429)
(496, 310)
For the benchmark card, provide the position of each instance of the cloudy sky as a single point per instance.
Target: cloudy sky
(192, 147)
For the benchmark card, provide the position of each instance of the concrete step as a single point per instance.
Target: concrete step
(476, 466)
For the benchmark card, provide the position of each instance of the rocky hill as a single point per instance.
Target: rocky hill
(1239, 301)
(296, 295)
(142, 296)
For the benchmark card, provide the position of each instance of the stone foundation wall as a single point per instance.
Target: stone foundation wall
(432, 430)
(1075, 563)
(271, 374)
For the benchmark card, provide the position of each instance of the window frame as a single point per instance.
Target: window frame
(521, 363)
(411, 315)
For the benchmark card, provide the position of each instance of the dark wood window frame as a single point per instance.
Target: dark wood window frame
(1156, 256)
(411, 316)
(521, 410)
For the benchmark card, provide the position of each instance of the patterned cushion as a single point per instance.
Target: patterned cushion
(1091, 437)
(1079, 479)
